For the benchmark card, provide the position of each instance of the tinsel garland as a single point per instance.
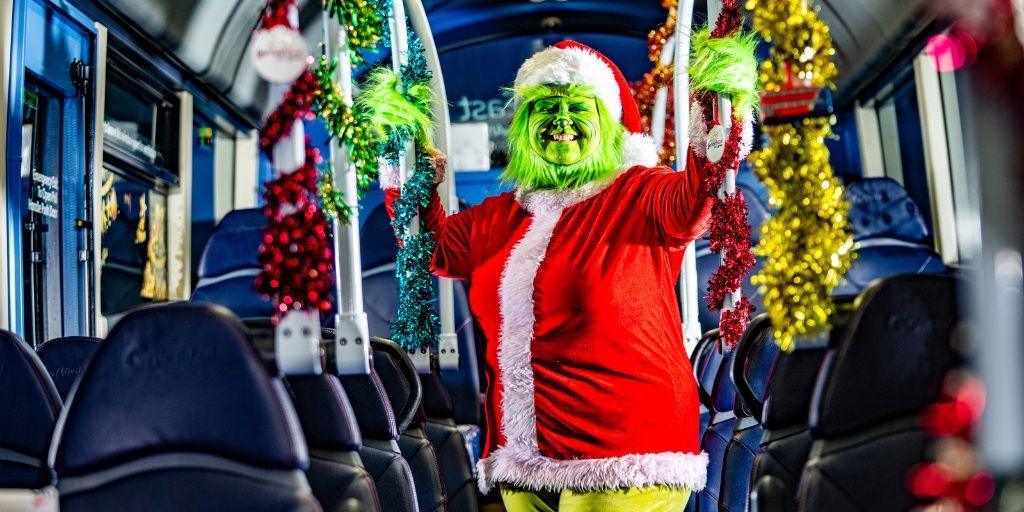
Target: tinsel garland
(295, 105)
(660, 76)
(295, 255)
(722, 61)
(806, 244)
(397, 119)
(362, 22)
(332, 200)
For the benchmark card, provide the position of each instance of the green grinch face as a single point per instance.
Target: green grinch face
(564, 128)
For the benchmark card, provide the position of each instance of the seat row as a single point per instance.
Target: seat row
(177, 408)
(834, 425)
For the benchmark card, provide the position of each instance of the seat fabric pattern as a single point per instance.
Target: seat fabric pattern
(30, 406)
(177, 412)
(65, 359)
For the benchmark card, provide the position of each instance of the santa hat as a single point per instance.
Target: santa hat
(572, 63)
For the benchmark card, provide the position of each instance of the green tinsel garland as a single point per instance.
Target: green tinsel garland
(363, 24)
(332, 200)
(352, 129)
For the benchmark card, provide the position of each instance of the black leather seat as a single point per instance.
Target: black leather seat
(30, 406)
(718, 433)
(874, 382)
(452, 442)
(405, 392)
(176, 411)
(65, 359)
(381, 454)
(336, 471)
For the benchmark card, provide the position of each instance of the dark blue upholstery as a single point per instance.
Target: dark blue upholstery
(229, 265)
(876, 378)
(65, 359)
(30, 406)
(890, 233)
(336, 472)
(706, 362)
(177, 411)
(718, 434)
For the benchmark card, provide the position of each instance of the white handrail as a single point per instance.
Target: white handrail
(352, 333)
(448, 346)
(688, 280)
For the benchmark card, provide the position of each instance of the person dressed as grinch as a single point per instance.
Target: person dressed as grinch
(591, 404)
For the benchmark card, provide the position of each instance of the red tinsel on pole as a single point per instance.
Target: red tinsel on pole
(729, 233)
(295, 255)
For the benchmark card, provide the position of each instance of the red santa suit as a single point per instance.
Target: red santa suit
(588, 384)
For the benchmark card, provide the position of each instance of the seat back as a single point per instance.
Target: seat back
(753, 361)
(65, 359)
(30, 406)
(405, 391)
(718, 434)
(336, 472)
(874, 382)
(229, 265)
(455, 444)
(891, 234)
(176, 411)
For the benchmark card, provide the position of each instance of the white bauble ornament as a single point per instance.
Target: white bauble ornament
(279, 54)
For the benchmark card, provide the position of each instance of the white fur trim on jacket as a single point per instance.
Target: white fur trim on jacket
(572, 66)
(388, 175)
(699, 132)
(639, 149)
(519, 461)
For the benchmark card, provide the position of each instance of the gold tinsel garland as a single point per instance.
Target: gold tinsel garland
(806, 245)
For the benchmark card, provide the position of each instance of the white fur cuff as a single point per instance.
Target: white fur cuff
(639, 149)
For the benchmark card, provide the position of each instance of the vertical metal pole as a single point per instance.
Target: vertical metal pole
(399, 58)
(448, 345)
(352, 334)
(688, 279)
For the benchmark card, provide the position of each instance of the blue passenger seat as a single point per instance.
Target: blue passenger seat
(65, 359)
(229, 265)
(890, 234)
(874, 383)
(718, 433)
(176, 411)
(30, 406)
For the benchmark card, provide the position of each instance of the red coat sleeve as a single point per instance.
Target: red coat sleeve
(452, 256)
(676, 204)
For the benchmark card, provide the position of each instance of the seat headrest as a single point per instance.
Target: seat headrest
(401, 381)
(753, 364)
(723, 395)
(29, 402)
(790, 387)
(234, 243)
(377, 239)
(328, 421)
(177, 378)
(892, 357)
(881, 207)
(65, 359)
(706, 358)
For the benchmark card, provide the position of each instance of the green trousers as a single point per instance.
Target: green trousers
(647, 499)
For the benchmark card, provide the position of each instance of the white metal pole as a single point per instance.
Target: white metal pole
(658, 113)
(688, 280)
(352, 334)
(297, 334)
(448, 345)
(399, 58)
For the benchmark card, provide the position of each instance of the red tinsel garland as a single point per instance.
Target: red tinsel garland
(729, 233)
(295, 105)
(295, 254)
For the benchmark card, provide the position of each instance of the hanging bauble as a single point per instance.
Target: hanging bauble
(279, 54)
